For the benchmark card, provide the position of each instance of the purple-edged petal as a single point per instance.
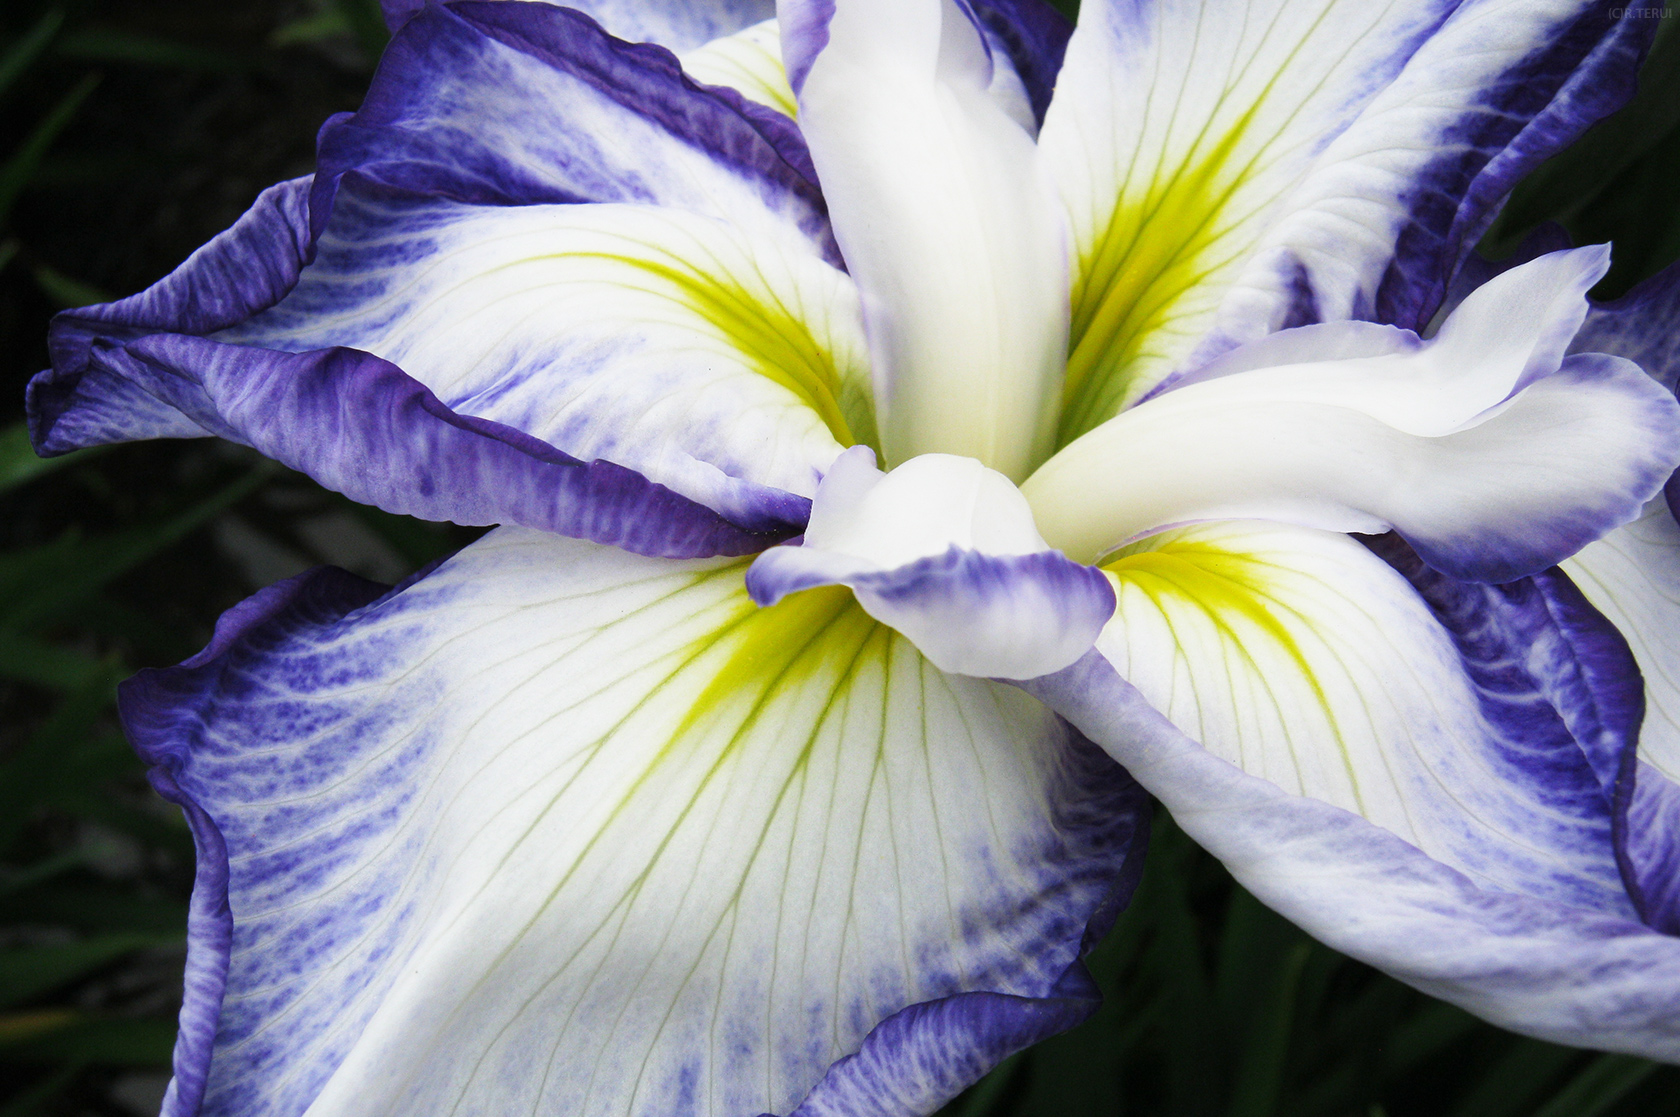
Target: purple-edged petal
(674, 24)
(1233, 170)
(512, 103)
(1492, 458)
(558, 830)
(1640, 327)
(361, 426)
(1307, 661)
(944, 551)
(726, 363)
(1632, 577)
(1543, 965)
(244, 270)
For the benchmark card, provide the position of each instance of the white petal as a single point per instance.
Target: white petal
(558, 830)
(936, 202)
(750, 62)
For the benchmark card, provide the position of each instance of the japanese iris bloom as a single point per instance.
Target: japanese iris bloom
(1215, 467)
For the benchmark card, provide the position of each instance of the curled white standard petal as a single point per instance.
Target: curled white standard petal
(1489, 451)
(944, 550)
(933, 187)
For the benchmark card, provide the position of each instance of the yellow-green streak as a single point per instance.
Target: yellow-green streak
(777, 344)
(1151, 253)
(1223, 585)
(791, 645)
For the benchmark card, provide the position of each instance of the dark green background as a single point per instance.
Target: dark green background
(133, 130)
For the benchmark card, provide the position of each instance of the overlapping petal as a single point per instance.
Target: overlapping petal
(729, 368)
(1229, 172)
(560, 830)
(1490, 456)
(944, 551)
(1433, 781)
(674, 24)
(729, 329)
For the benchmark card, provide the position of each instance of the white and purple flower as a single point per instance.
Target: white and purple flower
(1217, 469)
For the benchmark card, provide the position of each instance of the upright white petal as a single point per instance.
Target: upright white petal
(937, 204)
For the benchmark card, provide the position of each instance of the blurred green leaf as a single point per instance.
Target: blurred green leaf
(1264, 1056)
(19, 463)
(64, 291)
(1511, 1084)
(367, 23)
(115, 45)
(40, 584)
(36, 661)
(311, 29)
(28, 972)
(16, 172)
(36, 1097)
(1600, 1086)
(23, 53)
(74, 1037)
(93, 907)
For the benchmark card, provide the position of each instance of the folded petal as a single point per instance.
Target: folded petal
(362, 427)
(1559, 971)
(246, 269)
(944, 551)
(1233, 170)
(1632, 577)
(674, 24)
(945, 222)
(497, 103)
(1639, 326)
(559, 830)
(1492, 458)
(1428, 775)
(727, 365)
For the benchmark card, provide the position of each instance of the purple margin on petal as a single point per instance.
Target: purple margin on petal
(1035, 36)
(245, 269)
(1540, 633)
(381, 142)
(144, 704)
(922, 1056)
(906, 1066)
(804, 29)
(1536, 109)
(336, 414)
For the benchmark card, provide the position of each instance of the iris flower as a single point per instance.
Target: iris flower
(903, 474)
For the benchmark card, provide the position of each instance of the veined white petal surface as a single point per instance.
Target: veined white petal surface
(1305, 660)
(1632, 576)
(749, 62)
(559, 830)
(1223, 162)
(937, 203)
(696, 352)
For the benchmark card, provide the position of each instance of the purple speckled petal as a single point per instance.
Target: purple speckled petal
(363, 427)
(558, 830)
(673, 24)
(1351, 190)
(512, 103)
(1540, 964)
(244, 270)
(1639, 326)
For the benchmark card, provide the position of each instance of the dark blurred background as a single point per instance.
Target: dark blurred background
(131, 131)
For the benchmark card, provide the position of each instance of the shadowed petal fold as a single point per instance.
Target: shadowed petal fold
(563, 831)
